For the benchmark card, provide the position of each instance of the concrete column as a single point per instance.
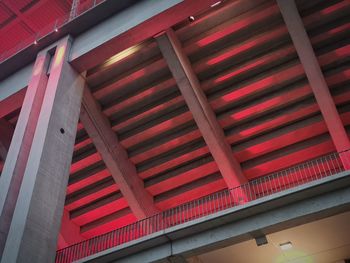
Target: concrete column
(315, 76)
(16, 161)
(36, 219)
(203, 114)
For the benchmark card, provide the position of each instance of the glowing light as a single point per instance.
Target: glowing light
(121, 55)
(334, 8)
(235, 27)
(216, 4)
(344, 51)
(35, 42)
(248, 45)
(286, 246)
(294, 256)
(173, 162)
(83, 163)
(156, 129)
(59, 55)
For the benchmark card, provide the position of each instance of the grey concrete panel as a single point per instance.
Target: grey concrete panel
(15, 82)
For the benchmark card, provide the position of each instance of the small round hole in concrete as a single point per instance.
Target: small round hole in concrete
(62, 130)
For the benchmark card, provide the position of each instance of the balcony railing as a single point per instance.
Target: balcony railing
(51, 28)
(300, 174)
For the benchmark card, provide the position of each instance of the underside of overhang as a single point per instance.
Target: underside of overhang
(248, 68)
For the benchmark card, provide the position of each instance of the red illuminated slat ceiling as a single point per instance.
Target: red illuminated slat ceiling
(254, 82)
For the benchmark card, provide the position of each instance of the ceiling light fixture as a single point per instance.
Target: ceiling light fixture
(216, 4)
(191, 18)
(56, 29)
(35, 42)
(286, 246)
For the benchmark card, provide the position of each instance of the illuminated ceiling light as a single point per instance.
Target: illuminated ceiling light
(56, 29)
(191, 18)
(35, 42)
(286, 246)
(125, 53)
(216, 4)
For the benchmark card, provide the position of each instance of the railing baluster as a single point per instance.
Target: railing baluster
(263, 186)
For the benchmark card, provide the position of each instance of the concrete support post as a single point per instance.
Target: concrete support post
(36, 219)
(203, 114)
(316, 79)
(16, 161)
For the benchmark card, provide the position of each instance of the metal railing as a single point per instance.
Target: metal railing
(50, 28)
(300, 174)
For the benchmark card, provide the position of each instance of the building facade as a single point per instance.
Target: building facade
(175, 131)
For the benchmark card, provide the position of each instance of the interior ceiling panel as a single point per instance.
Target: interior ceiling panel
(248, 68)
(321, 241)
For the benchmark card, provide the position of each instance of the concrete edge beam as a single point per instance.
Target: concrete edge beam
(320, 199)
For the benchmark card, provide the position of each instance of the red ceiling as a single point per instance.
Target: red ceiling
(23, 21)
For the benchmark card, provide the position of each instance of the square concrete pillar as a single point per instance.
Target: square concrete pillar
(35, 224)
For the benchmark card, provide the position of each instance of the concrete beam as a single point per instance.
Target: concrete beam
(12, 103)
(115, 158)
(203, 114)
(314, 74)
(14, 83)
(6, 133)
(299, 205)
(38, 211)
(303, 211)
(127, 27)
(130, 27)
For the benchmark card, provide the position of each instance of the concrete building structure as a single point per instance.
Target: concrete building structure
(175, 131)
